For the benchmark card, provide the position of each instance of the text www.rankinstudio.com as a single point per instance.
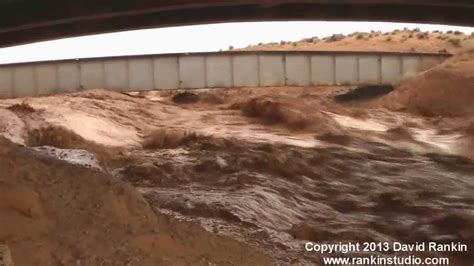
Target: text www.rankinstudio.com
(378, 260)
(383, 253)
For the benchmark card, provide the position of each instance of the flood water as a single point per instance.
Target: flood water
(274, 169)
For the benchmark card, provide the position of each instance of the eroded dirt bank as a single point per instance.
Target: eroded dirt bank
(444, 91)
(268, 167)
(55, 213)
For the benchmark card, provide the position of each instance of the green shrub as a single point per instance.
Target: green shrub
(335, 38)
(360, 36)
(423, 35)
(455, 41)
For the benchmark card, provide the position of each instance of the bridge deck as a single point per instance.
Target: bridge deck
(24, 21)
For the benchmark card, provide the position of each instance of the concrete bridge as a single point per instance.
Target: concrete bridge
(212, 70)
(23, 21)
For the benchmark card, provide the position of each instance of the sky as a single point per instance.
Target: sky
(198, 38)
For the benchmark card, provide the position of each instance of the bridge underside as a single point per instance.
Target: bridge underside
(23, 21)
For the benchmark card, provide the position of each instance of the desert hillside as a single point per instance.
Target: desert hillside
(397, 41)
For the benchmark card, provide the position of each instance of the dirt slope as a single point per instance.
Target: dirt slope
(54, 213)
(445, 90)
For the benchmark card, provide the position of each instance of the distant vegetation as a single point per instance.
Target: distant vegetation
(452, 39)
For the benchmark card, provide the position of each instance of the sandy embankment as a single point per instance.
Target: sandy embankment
(445, 90)
(55, 213)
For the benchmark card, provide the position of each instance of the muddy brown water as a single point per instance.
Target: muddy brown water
(277, 197)
(265, 167)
